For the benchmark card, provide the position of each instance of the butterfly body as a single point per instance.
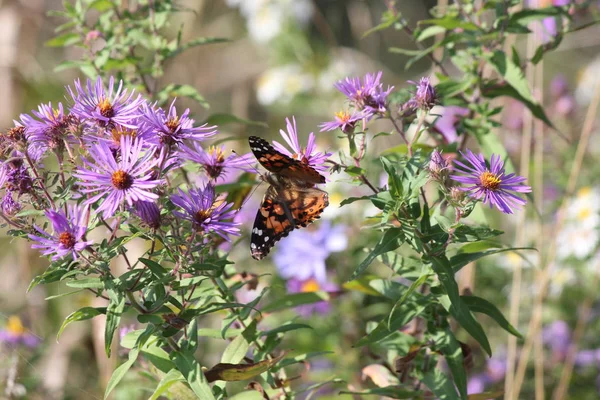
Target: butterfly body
(291, 201)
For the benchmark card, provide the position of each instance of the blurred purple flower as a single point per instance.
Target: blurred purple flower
(51, 131)
(115, 180)
(206, 212)
(367, 95)
(307, 154)
(15, 334)
(294, 261)
(513, 114)
(67, 236)
(491, 185)
(446, 123)
(586, 358)
(214, 161)
(171, 128)
(559, 86)
(477, 383)
(311, 285)
(106, 108)
(494, 373)
(345, 121)
(557, 335)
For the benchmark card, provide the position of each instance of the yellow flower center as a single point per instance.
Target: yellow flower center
(173, 124)
(67, 240)
(119, 132)
(106, 109)
(343, 116)
(310, 285)
(15, 326)
(220, 156)
(490, 181)
(121, 180)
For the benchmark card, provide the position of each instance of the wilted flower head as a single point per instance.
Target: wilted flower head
(106, 108)
(491, 185)
(13, 139)
(425, 96)
(128, 178)
(438, 166)
(15, 176)
(295, 285)
(67, 236)
(308, 154)
(214, 161)
(345, 121)
(171, 128)
(206, 212)
(15, 334)
(367, 95)
(148, 212)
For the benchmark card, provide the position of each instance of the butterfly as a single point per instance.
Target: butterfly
(291, 200)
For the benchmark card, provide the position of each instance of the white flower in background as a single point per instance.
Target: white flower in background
(580, 234)
(339, 68)
(559, 279)
(281, 84)
(266, 23)
(266, 18)
(586, 82)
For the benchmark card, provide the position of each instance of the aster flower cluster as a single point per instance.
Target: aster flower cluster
(115, 152)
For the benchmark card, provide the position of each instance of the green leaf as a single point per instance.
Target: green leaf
(428, 32)
(391, 240)
(477, 304)
(354, 171)
(462, 259)
(64, 40)
(394, 392)
(201, 41)
(102, 5)
(450, 22)
(80, 315)
(49, 276)
(512, 74)
(237, 349)
(459, 310)
(525, 16)
(387, 19)
(405, 295)
(285, 328)
(493, 91)
(86, 283)
(174, 90)
(120, 372)
(351, 200)
(172, 377)
(295, 300)
(192, 372)
(441, 386)
(114, 310)
(226, 119)
(247, 395)
(450, 348)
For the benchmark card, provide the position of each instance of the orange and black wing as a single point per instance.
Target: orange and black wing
(280, 164)
(283, 211)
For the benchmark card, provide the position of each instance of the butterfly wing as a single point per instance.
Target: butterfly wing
(278, 163)
(282, 210)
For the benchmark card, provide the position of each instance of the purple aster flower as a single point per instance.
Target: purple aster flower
(106, 108)
(491, 185)
(15, 334)
(68, 233)
(173, 129)
(9, 205)
(15, 176)
(307, 155)
(214, 161)
(477, 383)
(294, 261)
(586, 358)
(311, 285)
(51, 130)
(206, 212)
(344, 120)
(148, 212)
(115, 180)
(367, 95)
(446, 123)
(425, 96)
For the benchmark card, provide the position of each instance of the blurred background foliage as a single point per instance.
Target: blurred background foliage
(281, 58)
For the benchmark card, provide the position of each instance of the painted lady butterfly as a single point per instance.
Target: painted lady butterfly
(290, 202)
